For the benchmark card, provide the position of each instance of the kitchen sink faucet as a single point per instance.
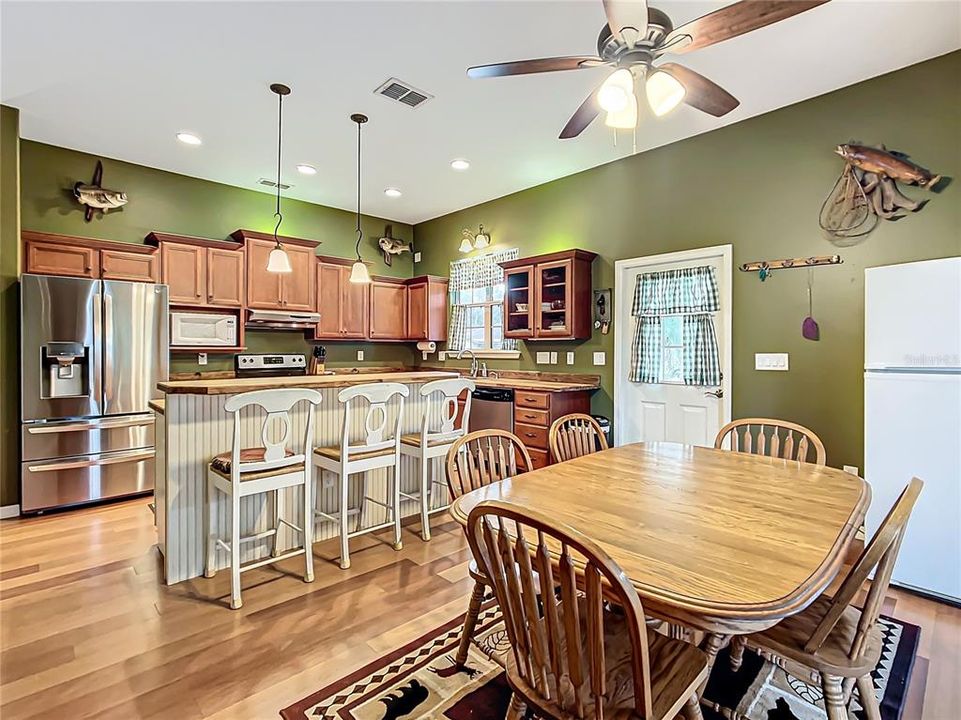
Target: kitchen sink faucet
(473, 360)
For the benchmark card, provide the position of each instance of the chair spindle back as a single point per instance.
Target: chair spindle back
(482, 457)
(575, 435)
(774, 438)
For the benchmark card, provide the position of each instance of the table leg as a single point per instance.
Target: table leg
(712, 644)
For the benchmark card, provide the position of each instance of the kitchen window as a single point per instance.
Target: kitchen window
(477, 304)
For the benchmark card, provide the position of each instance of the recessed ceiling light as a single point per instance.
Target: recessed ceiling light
(305, 169)
(188, 138)
(459, 164)
(392, 192)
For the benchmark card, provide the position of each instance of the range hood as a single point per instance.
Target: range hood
(281, 320)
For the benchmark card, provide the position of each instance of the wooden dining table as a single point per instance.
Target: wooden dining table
(717, 541)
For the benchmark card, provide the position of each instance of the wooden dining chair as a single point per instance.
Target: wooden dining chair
(774, 438)
(574, 435)
(571, 657)
(832, 643)
(473, 461)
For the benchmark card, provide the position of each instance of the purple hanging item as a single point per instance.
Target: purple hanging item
(809, 328)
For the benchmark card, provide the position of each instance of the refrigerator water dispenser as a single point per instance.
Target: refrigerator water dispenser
(64, 375)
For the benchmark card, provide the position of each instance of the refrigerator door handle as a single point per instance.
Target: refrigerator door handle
(79, 464)
(97, 370)
(77, 427)
(108, 346)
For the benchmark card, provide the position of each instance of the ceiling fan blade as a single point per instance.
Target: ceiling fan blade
(527, 67)
(582, 117)
(624, 15)
(737, 19)
(701, 93)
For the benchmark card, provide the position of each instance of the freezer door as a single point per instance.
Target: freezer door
(64, 438)
(913, 428)
(135, 345)
(88, 478)
(912, 315)
(60, 347)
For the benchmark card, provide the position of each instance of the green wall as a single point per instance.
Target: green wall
(9, 304)
(757, 185)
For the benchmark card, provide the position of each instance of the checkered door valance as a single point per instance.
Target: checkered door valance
(692, 294)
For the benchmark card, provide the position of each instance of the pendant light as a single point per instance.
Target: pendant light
(277, 261)
(358, 271)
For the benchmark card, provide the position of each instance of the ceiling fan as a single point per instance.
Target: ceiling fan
(636, 36)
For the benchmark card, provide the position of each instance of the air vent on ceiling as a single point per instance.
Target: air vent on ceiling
(273, 184)
(403, 93)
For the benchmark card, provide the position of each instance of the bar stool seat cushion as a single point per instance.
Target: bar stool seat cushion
(414, 439)
(333, 452)
(221, 464)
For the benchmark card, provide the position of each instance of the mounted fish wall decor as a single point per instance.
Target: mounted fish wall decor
(96, 197)
(391, 245)
(867, 191)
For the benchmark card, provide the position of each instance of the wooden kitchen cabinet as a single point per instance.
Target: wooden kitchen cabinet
(293, 291)
(200, 272)
(342, 304)
(183, 272)
(549, 297)
(226, 277)
(427, 308)
(534, 412)
(50, 258)
(388, 310)
(131, 266)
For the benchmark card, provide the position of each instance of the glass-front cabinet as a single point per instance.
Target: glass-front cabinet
(548, 297)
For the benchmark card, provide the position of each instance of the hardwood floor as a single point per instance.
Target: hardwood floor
(88, 630)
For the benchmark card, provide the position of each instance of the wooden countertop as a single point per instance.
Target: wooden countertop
(535, 385)
(231, 386)
(158, 406)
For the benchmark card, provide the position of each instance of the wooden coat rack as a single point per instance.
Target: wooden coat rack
(764, 267)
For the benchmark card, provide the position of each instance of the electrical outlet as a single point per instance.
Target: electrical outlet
(570, 358)
(360, 356)
(851, 469)
(600, 358)
(416, 257)
(543, 358)
(770, 361)
(201, 358)
(553, 358)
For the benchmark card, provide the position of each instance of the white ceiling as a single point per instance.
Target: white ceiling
(120, 79)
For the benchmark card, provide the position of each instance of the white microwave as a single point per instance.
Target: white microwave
(194, 329)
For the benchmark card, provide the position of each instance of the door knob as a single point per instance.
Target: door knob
(719, 393)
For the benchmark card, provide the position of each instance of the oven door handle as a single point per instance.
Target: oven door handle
(79, 427)
(80, 464)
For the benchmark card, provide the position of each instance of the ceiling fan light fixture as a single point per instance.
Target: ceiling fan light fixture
(616, 92)
(664, 92)
(625, 119)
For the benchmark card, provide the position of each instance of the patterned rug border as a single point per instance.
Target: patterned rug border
(298, 710)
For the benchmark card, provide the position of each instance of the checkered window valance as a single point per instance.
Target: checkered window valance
(687, 292)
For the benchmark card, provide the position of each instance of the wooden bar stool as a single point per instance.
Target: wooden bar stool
(433, 443)
(267, 469)
(380, 449)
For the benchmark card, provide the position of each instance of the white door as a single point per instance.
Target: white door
(670, 410)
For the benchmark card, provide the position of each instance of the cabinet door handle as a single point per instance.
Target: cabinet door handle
(530, 435)
(530, 417)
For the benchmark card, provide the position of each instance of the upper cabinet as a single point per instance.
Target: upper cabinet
(548, 297)
(427, 308)
(342, 304)
(388, 310)
(50, 254)
(292, 291)
(200, 272)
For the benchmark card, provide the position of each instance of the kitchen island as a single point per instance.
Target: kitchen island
(193, 427)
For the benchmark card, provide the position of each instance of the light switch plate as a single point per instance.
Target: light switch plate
(360, 355)
(543, 358)
(416, 257)
(600, 358)
(570, 358)
(770, 361)
(201, 358)
(553, 358)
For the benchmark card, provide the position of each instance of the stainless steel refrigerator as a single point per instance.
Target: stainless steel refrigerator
(91, 355)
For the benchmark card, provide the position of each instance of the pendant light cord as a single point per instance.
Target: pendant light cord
(280, 136)
(360, 233)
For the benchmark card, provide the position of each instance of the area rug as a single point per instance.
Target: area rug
(420, 681)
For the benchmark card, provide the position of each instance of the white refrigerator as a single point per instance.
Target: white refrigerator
(912, 414)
